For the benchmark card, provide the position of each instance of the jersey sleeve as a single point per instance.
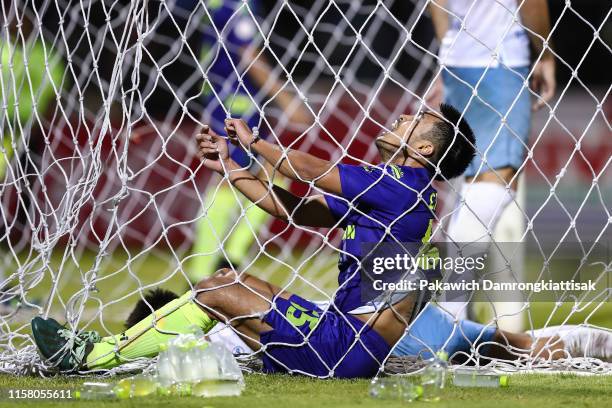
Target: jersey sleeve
(338, 207)
(373, 187)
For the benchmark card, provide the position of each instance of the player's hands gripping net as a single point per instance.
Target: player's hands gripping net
(213, 150)
(238, 132)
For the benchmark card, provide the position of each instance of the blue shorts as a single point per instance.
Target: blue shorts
(305, 339)
(499, 145)
(434, 330)
(240, 106)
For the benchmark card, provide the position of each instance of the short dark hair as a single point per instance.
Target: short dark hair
(153, 300)
(453, 154)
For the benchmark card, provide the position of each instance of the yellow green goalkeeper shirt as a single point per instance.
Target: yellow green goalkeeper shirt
(27, 77)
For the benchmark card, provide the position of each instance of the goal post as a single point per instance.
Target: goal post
(103, 198)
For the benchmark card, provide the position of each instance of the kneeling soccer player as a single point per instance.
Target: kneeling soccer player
(350, 338)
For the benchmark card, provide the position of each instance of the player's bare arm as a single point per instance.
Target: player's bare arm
(536, 19)
(294, 164)
(278, 202)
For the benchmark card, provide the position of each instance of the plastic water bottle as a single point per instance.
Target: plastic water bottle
(180, 389)
(198, 355)
(169, 375)
(395, 388)
(475, 378)
(210, 363)
(190, 361)
(189, 365)
(175, 356)
(165, 369)
(98, 391)
(434, 377)
(138, 386)
(221, 374)
(216, 388)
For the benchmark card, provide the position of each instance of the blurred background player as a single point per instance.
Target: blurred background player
(238, 79)
(29, 72)
(470, 33)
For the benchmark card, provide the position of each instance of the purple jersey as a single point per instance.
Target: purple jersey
(233, 28)
(227, 27)
(373, 199)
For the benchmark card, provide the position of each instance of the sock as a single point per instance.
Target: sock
(211, 231)
(144, 338)
(472, 222)
(484, 204)
(580, 341)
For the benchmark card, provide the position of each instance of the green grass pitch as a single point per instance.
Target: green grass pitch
(524, 390)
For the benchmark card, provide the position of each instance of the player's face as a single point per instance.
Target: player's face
(406, 130)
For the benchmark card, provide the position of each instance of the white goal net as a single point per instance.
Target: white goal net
(103, 198)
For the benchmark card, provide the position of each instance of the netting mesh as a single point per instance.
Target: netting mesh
(103, 197)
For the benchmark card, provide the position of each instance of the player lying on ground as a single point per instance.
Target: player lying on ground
(434, 330)
(373, 204)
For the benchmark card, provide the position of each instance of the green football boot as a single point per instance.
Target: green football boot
(60, 347)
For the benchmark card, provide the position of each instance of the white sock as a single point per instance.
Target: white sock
(484, 204)
(475, 221)
(226, 336)
(580, 341)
